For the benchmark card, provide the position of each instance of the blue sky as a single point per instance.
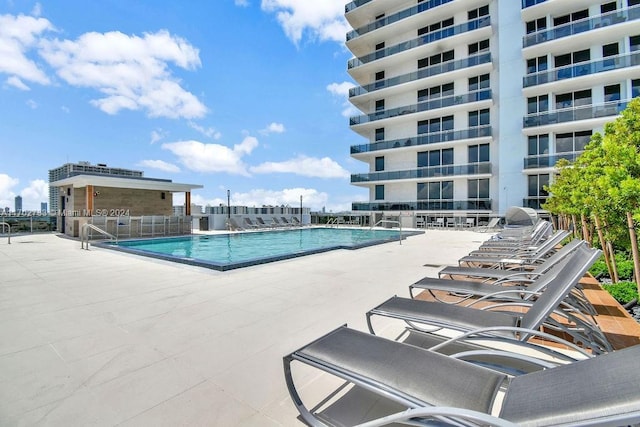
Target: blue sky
(244, 95)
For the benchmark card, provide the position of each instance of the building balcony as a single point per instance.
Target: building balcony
(431, 138)
(470, 169)
(354, 4)
(583, 69)
(529, 3)
(433, 104)
(586, 112)
(549, 160)
(387, 20)
(425, 205)
(581, 26)
(420, 41)
(534, 202)
(434, 70)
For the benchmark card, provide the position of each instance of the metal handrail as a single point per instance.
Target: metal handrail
(390, 221)
(9, 233)
(84, 235)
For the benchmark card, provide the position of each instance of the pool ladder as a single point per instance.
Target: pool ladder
(84, 234)
(390, 221)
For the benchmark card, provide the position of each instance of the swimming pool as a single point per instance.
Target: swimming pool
(236, 250)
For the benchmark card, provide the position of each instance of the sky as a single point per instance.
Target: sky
(249, 96)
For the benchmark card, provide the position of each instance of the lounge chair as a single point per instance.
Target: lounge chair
(541, 312)
(492, 225)
(262, 223)
(443, 390)
(233, 225)
(250, 224)
(286, 222)
(487, 273)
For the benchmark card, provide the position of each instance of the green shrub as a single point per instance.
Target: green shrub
(623, 263)
(623, 292)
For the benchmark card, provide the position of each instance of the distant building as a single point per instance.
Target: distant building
(43, 208)
(18, 204)
(83, 168)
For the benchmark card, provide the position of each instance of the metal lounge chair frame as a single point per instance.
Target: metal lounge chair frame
(437, 388)
(542, 311)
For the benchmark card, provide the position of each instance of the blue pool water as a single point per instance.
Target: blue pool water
(228, 251)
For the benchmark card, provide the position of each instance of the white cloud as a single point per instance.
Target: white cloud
(160, 165)
(201, 157)
(157, 135)
(305, 166)
(32, 104)
(208, 132)
(17, 83)
(341, 91)
(288, 196)
(273, 128)
(7, 195)
(131, 72)
(242, 3)
(36, 193)
(18, 35)
(323, 20)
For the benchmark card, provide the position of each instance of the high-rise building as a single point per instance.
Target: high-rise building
(83, 168)
(467, 104)
(18, 204)
(43, 208)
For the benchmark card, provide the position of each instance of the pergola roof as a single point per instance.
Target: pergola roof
(79, 181)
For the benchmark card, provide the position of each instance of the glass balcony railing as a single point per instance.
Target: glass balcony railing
(583, 69)
(574, 114)
(426, 139)
(422, 40)
(433, 104)
(428, 205)
(423, 73)
(424, 6)
(529, 3)
(354, 4)
(428, 172)
(581, 26)
(549, 160)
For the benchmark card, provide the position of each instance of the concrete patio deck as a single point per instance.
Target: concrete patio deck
(105, 338)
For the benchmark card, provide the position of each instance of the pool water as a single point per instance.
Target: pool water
(228, 251)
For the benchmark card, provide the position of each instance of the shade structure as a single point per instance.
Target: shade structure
(520, 217)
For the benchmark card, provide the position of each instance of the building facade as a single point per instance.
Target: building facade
(468, 104)
(83, 168)
(18, 204)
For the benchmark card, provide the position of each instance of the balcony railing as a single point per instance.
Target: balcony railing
(423, 73)
(431, 138)
(581, 26)
(426, 205)
(529, 3)
(573, 114)
(433, 104)
(583, 69)
(422, 40)
(427, 172)
(354, 4)
(534, 202)
(395, 17)
(549, 160)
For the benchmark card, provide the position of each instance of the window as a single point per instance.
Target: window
(435, 190)
(575, 99)
(379, 134)
(435, 27)
(435, 125)
(380, 46)
(379, 105)
(608, 7)
(435, 92)
(478, 118)
(477, 13)
(572, 141)
(436, 59)
(478, 82)
(379, 50)
(478, 188)
(612, 93)
(435, 158)
(635, 88)
(536, 25)
(610, 50)
(380, 75)
(634, 43)
(478, 47)
(535, 65)
(478, 153)
(633, 2)
(537, 184)
(379, 192)
(537, 104)
(379, 163)
(575, 16)
(538, 144)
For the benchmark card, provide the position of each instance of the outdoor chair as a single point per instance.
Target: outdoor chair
(439, 389)
(233, 225)
(249, 223)
(263, 224)
(286, 222)
(520, 325)
(490, 226)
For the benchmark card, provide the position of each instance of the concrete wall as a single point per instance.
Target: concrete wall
(117, 201)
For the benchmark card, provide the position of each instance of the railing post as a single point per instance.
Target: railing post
(8, 232)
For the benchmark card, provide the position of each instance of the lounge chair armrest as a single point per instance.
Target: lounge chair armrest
(440, 413)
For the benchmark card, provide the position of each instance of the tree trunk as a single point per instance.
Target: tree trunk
(603, 245)
(614, 267)
(634, 249)
(573, 228)
(585, 228)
